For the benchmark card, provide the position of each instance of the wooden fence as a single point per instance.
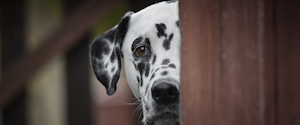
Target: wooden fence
(240, 62)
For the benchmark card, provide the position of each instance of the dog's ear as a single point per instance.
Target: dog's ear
(105, 54)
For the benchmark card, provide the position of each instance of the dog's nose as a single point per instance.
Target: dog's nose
(165, 93)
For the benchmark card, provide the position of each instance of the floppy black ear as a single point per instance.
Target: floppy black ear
(105, 54)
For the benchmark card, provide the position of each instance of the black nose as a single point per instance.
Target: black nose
(165, 93)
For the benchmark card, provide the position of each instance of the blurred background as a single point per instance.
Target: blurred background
(46, 78)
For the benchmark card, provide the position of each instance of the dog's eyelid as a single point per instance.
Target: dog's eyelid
(137, 43)
(140, 45)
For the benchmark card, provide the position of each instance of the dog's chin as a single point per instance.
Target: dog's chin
(162, 114)
(165, 118)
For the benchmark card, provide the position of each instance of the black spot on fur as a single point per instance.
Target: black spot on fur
(147, 70)
(100, 47)
(113, 57)
(141, 81)
(147, 57)
(165, 61)
(104, 79)
(154, 59)
(113, 69)
(167, 42)
(110, 35)
(164, 67)
(164, 73)
(178, 24)
(172, 66)
(114, 80)
(161, 30)
(153, 75)
(138, 79)
(141, 68)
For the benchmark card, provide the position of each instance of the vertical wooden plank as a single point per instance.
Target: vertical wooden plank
(242, 87)
(288, 75)
(229, 76)
(79, 99)
(79, 102)
(12, 43)
(200, 60)
(267, 67)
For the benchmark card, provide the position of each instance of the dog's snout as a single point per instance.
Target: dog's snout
(165, 93)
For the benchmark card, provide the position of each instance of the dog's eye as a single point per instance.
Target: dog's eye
(141, 51)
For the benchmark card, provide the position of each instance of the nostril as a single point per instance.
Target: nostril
(173, 92)
(155, 93)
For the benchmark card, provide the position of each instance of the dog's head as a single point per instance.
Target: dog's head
(149, 41)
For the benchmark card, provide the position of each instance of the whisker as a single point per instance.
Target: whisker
(138, 108)
(137, 102)
(131, 104)
(140, 114)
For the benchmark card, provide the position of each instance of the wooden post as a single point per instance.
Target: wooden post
(288, 60)
(240, 62)
(12, 47)
(78, 85)
(79, 100)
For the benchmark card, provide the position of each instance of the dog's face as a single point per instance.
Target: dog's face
(149, 42)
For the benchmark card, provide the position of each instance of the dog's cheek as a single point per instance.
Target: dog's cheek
(132, 75)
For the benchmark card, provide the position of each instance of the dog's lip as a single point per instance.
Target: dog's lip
(169, 115)
(165, 116)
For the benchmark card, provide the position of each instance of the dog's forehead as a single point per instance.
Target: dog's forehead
(144, 21)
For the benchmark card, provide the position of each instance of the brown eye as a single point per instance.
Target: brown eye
(141, 50)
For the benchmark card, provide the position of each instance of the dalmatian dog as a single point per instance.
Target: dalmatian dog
(149, 42)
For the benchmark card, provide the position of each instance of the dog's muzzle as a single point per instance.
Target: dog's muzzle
(165, 94)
